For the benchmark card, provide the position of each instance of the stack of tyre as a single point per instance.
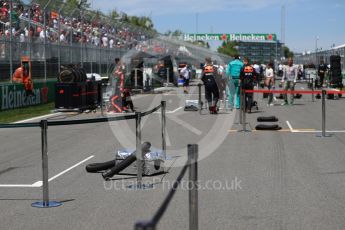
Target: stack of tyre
(74, 91)
(72, 74)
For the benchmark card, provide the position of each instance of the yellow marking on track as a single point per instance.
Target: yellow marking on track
(232, 130)
(284, 130)
(304, 130)
(281, 130)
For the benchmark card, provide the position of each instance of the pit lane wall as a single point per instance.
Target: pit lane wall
(13, 96)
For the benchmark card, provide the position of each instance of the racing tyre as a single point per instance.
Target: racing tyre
(268, 127)
(267, 119)
(96, 167)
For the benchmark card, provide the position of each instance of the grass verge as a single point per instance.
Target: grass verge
(13, 115)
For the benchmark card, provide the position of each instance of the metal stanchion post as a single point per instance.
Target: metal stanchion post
(167, 84)
(136, 78)
(11, 42)
(193, 190)
(241, 106)
(138, 149)
(243, 103)
(45, 203)
(102, 110)
(145, 226)
(244, 112)
(323, 132)
(312, 89)
(163, 103)
(200, 102)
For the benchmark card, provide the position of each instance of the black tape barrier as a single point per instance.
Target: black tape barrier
(90, 121)
(193, 194)
(43, 124)
(20, 125)
(296, 91)
(151, 111)
(78, 122)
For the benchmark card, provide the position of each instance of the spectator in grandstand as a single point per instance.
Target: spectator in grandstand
(105, 40)
(63, 37)
(4, 12)
(289, 80)
(111, 43)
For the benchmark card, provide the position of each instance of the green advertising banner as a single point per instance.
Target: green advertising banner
(230, 37)
(13, 95)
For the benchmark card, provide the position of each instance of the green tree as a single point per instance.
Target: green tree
(228, 48)
(75, 6)
(175, 33)
(114, 15)
(287, 52)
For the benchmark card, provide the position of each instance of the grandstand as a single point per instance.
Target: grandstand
(51, 38)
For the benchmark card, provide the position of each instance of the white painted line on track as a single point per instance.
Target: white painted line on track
(35, 185)
(186, 125)
(184, 94)
(38, 184)
(70, 168)
(36, 118)
(290, 127)
(173, 111)
(319, 131)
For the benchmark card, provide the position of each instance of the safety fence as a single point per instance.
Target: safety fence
(44, 124)
(323, 93)
(47, 58)
(192, 165)
(316, 57)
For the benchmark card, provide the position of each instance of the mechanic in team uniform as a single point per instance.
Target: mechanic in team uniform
(211, 89)
(248, 77)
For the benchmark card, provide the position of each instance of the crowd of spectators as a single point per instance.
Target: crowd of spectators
(28, 25)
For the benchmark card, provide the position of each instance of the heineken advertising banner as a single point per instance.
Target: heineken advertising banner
(13, 95)
(230, 37)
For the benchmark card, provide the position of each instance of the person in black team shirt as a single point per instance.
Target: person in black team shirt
(322, 69)
(211, 89)
(248, 77)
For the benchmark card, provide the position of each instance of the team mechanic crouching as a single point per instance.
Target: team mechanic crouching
(211, 88)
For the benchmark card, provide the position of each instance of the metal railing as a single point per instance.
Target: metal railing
(315, 58)
(312, 92)
(192, 165)
(46, 62)
(44, 124)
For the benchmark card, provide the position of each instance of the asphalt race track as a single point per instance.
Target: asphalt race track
(269, 180)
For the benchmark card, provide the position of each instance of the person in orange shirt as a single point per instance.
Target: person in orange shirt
(22, 75)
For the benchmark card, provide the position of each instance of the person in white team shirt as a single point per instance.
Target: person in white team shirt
(184, 73)
(269, 82)
(105, 41)
(289, 80)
